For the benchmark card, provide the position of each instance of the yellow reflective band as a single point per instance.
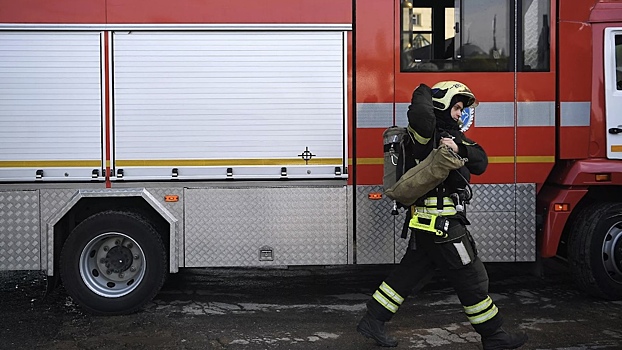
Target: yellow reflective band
(486, 316)
(479, 307)
(430, 207)
(426, 224)
(391, 293)
(385, 302)
(431, 201)
(447, 211)
(422, 140)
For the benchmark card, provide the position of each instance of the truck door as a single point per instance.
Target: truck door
(251, 104)
(613, 91)
(50, 106)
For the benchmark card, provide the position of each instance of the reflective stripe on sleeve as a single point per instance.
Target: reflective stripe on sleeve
(422, 140)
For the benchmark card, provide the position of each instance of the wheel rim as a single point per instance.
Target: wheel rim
(612, 252)
(112, 265)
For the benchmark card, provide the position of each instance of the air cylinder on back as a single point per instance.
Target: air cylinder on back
(392, 137)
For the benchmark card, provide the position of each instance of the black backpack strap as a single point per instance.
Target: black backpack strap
(406, 226)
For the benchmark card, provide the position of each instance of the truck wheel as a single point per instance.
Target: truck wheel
(113, 263)
(595, 250)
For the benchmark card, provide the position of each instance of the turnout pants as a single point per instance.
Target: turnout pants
(456, 257)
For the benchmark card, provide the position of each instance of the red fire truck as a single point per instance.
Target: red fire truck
(141, 137)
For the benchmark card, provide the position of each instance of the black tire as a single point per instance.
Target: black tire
(113, 263)
(595, 250)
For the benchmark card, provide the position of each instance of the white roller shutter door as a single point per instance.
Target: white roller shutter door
(50, 105)
(254, 102)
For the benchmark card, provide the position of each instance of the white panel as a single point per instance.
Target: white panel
(228, 95)
(50, 102)
(613, 91)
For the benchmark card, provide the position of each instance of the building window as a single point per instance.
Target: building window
(416, 18)
(474, 35)
(535, 35)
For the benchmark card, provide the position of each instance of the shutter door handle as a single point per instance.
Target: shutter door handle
(615, 130)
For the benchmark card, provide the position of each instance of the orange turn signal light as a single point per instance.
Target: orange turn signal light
(374, 196)
(602, 177)
(171, 198)
(561, 207)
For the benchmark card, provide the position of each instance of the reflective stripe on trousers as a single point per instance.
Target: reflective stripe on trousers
(388, 298)
(481, 312)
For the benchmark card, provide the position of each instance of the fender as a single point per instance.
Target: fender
(138, 192)
(581, 172)
(554, 221)
(569, 183)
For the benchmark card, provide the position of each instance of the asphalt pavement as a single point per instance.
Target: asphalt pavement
(306, 308)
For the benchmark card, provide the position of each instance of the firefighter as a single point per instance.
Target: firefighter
(434, 120)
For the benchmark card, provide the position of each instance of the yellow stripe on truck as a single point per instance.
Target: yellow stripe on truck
(493, 160)
(165, 162)
(226, 162)
(50, 163)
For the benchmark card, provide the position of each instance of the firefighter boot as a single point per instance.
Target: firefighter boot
(500, 340)
(370, 327)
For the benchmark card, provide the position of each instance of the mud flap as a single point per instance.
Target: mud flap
(51, 282)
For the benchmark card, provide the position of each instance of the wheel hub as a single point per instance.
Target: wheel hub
(112, 264)
(612, 252)
(118, 259)
(618, 254)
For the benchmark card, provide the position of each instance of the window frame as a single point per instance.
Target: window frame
(514, 60)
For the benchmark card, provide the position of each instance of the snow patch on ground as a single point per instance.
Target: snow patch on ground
(212, 308)
(534, 323)
(442, 337)
(315, 337)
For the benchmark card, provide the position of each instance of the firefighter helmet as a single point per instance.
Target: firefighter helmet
(444, 91)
